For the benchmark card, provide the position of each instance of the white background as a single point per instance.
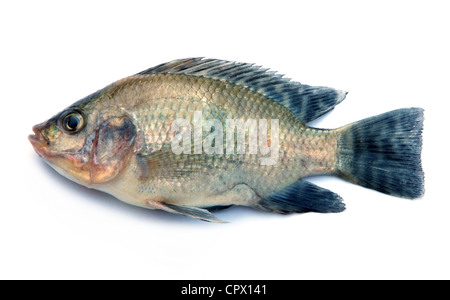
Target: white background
(387, 54)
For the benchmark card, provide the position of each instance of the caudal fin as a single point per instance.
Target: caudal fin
(383, 153)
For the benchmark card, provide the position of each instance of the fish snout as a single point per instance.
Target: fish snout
(38, 140)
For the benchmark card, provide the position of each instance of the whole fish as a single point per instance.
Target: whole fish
(194, 135)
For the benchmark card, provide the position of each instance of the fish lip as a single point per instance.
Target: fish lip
(38, 140)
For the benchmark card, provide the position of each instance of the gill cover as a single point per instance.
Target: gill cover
(111, 148)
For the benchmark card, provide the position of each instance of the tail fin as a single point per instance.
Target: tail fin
(383, 153)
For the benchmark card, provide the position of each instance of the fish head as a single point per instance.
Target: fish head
(85, 146)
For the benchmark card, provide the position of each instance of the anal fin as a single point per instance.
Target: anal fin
(302, 196)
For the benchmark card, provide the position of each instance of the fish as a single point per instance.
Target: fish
(197, 135)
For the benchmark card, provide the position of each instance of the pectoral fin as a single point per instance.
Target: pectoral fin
(165, 164)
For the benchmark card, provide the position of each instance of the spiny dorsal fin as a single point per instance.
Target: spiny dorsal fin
(306, 102)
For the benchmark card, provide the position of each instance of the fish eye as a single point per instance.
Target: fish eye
(72, 122)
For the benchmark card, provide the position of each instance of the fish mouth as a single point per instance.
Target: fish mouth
(38, 140)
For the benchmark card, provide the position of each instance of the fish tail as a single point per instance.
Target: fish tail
(383, 153)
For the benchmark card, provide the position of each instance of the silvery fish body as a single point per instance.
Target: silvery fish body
(195, 134)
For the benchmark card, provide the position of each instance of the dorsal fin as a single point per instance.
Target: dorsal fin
(306, 102)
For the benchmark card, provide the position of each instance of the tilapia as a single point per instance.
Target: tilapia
(194, 135)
